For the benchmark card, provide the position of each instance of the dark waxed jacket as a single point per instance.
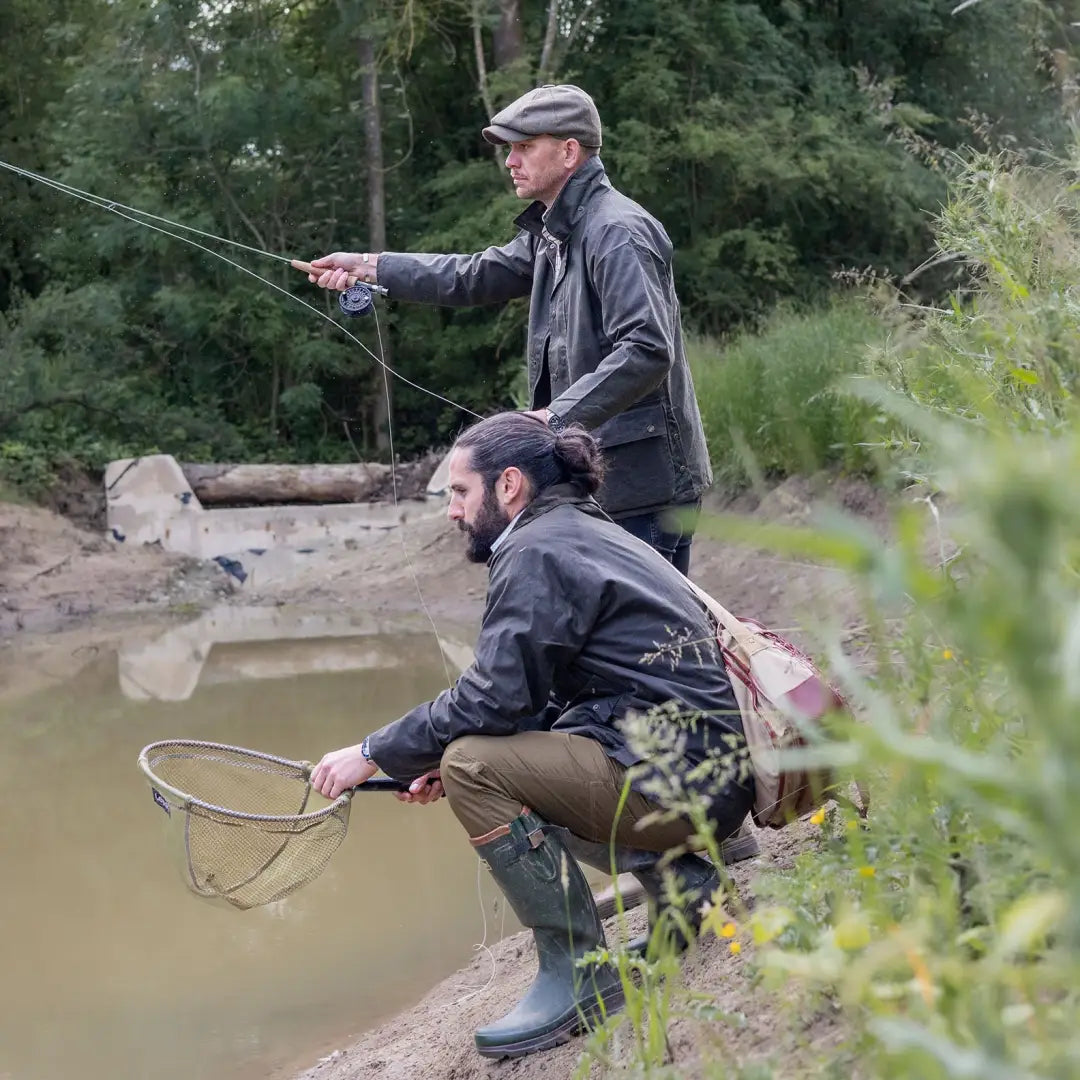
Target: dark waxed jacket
(575, 604)
(605, 315)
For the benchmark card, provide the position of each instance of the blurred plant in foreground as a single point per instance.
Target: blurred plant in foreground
(947, 927)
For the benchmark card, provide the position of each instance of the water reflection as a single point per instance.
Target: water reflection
(112, 967)
(231, 644)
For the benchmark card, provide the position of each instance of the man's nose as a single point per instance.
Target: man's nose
(513, 159)
(455, 511)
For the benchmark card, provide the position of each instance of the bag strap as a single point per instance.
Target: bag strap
(745, 637)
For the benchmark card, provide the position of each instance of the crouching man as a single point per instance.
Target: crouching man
(527, 744)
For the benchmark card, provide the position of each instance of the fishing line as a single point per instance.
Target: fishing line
(482, 944)
(118, 209)
(393, 488)
(108, 204)
(125, 211)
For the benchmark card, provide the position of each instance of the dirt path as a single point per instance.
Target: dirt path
(66, 593)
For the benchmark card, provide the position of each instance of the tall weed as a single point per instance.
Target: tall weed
(770, 402)
(947, 926)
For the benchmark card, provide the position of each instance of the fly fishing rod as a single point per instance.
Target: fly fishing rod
(358, 299)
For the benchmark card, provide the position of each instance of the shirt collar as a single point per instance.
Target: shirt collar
(499, 540)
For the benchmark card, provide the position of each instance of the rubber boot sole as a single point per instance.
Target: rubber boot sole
(743, 845)
(573, 1023)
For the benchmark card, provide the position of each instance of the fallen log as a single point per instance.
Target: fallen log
(247, 485)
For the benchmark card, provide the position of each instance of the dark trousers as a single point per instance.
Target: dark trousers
(669, 531)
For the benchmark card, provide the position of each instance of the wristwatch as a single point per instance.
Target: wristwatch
(366, 752)
(556, 424)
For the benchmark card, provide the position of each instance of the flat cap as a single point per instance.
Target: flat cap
(564, 111)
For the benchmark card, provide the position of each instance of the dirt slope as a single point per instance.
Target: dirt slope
(66, 593)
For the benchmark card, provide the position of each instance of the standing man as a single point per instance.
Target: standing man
(605, 346)
(574, 609)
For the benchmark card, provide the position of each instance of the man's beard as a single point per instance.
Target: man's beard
(491, 519)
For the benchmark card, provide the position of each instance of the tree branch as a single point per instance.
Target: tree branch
(481, 71)
(481, 64)
(546, 54)
(574, 31)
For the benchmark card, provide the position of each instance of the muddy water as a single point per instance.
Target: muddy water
(111, 968)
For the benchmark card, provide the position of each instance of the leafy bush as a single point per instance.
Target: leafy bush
(946, 928)
(770, 401)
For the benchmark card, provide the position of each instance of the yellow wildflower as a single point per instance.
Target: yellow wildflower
(817, 817)
(851, 824)
(768, 923)
(867, 871)
(734, 948)
(727, 930)
(852, 931)
(947, 654)
(713, 919)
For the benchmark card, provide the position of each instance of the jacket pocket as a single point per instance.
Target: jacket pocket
(640, 469)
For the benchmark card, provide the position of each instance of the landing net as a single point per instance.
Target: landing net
(239, 820)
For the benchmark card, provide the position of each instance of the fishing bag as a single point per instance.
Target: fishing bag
(781, 695)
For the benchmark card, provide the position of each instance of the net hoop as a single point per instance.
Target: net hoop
(148, 760)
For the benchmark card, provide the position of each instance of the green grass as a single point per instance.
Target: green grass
(769, 400)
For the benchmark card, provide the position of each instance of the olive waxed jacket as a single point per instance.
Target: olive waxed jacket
(575, 607)
(605, 318)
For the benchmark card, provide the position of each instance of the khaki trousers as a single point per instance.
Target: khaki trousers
(567, 779)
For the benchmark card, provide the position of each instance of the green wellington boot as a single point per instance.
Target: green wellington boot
(697, 880)
(548, 893)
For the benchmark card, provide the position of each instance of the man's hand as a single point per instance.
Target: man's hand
(422, 792)
(340, 770)
(339, 266)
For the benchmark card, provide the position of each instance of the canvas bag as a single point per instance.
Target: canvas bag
(780, 693)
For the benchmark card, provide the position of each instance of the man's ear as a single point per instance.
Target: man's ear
(511, 485)
(573, 155)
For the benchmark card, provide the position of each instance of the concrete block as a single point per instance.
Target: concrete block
(148, 500)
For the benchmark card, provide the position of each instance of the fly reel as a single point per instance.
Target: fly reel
(357, 300)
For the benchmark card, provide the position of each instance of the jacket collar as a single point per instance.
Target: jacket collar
(559, 218)
(549, 499)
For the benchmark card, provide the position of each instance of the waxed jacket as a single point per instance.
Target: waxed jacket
(605, 317)
(583, 623)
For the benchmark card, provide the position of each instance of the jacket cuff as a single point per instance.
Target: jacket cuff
(400, 761)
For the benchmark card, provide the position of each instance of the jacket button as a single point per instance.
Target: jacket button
(651, 428)
(596, 708)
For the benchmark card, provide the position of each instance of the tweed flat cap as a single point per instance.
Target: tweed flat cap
(564, 111)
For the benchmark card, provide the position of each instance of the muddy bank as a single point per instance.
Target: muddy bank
(751, 1027)
(67, 594)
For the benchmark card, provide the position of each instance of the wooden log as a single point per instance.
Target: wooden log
(240, 485)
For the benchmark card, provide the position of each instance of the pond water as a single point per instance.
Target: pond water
(112, 968)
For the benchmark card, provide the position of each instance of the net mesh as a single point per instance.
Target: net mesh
(242, 819)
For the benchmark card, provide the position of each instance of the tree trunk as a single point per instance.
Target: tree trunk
(382, 405)
(509, 41)
(217, 485)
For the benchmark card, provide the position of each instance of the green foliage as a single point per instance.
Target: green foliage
(773, 403)
(946, 927)
(771, 138)
(1004, 347)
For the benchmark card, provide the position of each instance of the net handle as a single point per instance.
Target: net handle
(376, 783)
(380, 783)
(383, 783)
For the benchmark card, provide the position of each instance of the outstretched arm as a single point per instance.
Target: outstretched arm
(491, 276)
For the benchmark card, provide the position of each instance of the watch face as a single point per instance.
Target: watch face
(356, 300)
